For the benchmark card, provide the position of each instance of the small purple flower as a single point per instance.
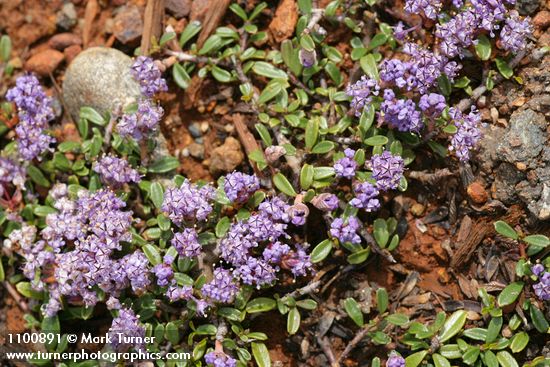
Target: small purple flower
(256, 272)
(297, 261)
(430, 8)
(275, 208)
(400, 114)
(187, 243)
(346, 166)
(325, 202)
(537, 269)
(432, 104)
(387, 170)
(239, 186)
(307, 58)
(149, 76)
(298, 214)
(515, 32)
(222, 288)
(126, 323)
(274, 252)
(164, 272)
(395, 360)
(11, 173)
(542, 288)
(175, 293)
(115, 171)
(467, 135)
(345, 230)
(365, 197)
(141, 123)
(219, 359)
(135, 266)
(362, 92)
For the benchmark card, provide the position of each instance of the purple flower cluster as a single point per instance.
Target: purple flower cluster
(222, 288)
(239, 186)
(432, 104)
(346, 166)
(268, 225)
(34, 110)
(420, 72)
(345, 230)
(325, 202)
(189, 202)
(219, 359)
(467, 135)
(175, 293)
(115, 171)
(187, 243)
(298, 261)
(400, 114)
(163, 271)
(366, 197)
(387, 170)
(11, 173)
(514, 32)
(149, 76)
(542, 288)
(362, 92)
(142, 123)
(127, 324)
(395, 360)
(96, 226)
(430, 8)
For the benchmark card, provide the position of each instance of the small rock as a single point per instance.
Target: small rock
(477, 193)
(284, 23)
(71, 52)
(494, 115)
(196, 150)
(443, 276)
(417, 209)
(44, 62)
(195, 130)
(518, 102)
(63, 40)
(521, 166)
(67, 18)
(527, 7)
(542, 19)
(204, 127)
(99, 77)
(226, 157)
(128, 24)
(178, 8)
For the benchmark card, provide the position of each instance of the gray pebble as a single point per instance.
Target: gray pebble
(99, 77)
(195, 130)
(66, 18)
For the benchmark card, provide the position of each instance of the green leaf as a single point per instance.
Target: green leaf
(504, 69)
(189, 32)
(265, 69)
(264, 134)
(519, 342)
(43, 210)
(50, 325)
(444, 85)
(180, 76)
(281, 182)
(490, 359)
(453, 325)
(5, 48)
(235, 8)
(415, 359)
(307, 304)
(382, 300)
(483, 47)
(90, 114)
(261, 304)
(152, 254)
(504, 229)
(354, 311)
(510, 294)
(312, 133)
(538, 319)
(164, 164)
(293, 321)
(398, 319)
(305, 6)
(270, 92)
(321, 251)
(378, 40)
(261, 354)
(323, 147)
(222, 226)
(376, 140)
(359, 257)
(471, 355)
(212, 44)
(368, 64)
(505, 359)
(476, 334)
(37, 176)
(538, 240)
(307, 43)
(306, 176)
(494, 329)
(2, 273)
(440, 361)
(157, 194)
(220, 74)
(171, 333)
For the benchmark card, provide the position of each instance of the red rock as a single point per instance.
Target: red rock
(63, 40)
(477, 193)
(128, 25)
(542, 19)
(284, 23)
(71, 52)
(44, 62)
(179, 8)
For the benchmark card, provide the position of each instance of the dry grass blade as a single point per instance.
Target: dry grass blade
(152, 24)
